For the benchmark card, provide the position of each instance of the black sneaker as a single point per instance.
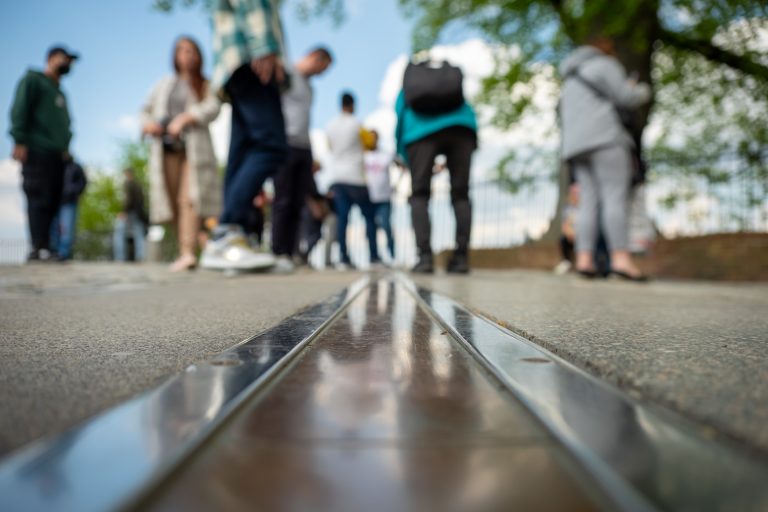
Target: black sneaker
(458, 264)
(424, 266)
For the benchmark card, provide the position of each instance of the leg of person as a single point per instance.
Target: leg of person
(384, 221)
(311, 233)
(67, 225)
(461, 143)
(586, 215)
(343, 204)
(284, 181)
(188, 219)
(137, 232)
(118, 239)
(172, 163)
(42, 176)
(55, 236)
(363, 201)
(613, 169)
(421, 159)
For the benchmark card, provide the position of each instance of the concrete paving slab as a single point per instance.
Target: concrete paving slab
(76, 339)
(696, 348)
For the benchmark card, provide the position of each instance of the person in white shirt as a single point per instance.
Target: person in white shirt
(293, 180)
(348, 179)
(377, 164)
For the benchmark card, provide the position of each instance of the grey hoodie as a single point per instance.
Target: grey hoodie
(588, 121)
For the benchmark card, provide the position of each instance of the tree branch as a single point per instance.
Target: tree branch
(714, 53)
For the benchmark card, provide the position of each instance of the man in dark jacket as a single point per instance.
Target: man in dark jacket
(63, 227)
(40, 127)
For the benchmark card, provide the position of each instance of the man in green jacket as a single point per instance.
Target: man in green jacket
(420, 139)
(40, 128)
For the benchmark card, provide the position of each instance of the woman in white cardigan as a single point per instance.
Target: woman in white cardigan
(184, 184)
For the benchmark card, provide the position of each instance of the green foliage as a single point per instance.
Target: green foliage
(103, 200)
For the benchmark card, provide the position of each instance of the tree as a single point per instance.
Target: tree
(103, 200)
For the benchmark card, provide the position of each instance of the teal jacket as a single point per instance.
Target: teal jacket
(412, 126)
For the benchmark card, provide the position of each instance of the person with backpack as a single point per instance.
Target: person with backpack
(596, 101)
(434, 119)
(65, 224)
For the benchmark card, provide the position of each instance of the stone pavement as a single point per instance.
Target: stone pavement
(76, 339)
(79, 338)
(700, 349)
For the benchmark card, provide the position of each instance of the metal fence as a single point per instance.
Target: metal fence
(676, 205)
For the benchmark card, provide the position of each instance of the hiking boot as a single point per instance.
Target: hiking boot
(458, 264)
(424, 266)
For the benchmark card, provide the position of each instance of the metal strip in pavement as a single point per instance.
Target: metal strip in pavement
(103, 463)
(644, 457)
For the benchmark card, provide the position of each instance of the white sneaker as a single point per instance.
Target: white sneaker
(283, 265)
(343, 267)
(232, 252)
(563, 268)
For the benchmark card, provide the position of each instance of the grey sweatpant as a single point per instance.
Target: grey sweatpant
(604, 177)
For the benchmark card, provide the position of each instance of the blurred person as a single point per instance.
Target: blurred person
(600, 148)
(40, 126)
(345, 139)
(254, 226)
(377, 163)
(132, 219)
(248, 72)
(183, 175)
(64, 224)
(317, 208)
(292, 180)
(568, 231)
(447, 128)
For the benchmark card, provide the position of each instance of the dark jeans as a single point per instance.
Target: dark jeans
(43, 181)
(383, 220)
(257, 146)
(344, 197)
(457, 144)
(311, 232)
(63, 230)
(292, 185)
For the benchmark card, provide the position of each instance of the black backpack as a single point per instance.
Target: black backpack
(433, 90)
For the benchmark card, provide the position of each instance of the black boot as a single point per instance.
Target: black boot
(424, 266)
(458, 264)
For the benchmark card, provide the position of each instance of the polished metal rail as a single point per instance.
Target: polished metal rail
(105, 462)
(644, 457)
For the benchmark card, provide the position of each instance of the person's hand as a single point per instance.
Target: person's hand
(20, 153)
(152, 129)
(122, 215)
(178, 124)
(267, 67)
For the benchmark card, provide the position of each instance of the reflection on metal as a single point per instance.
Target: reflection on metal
(382, 412)
(392, 405)
(645, 457)
(103, 463)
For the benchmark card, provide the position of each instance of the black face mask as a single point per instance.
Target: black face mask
(63, 69)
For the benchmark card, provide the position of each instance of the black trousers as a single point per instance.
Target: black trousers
(457, 144)
(292, 186)
(43, 183)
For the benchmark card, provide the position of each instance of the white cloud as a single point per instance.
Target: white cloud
(128, 125)
(12, 215)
